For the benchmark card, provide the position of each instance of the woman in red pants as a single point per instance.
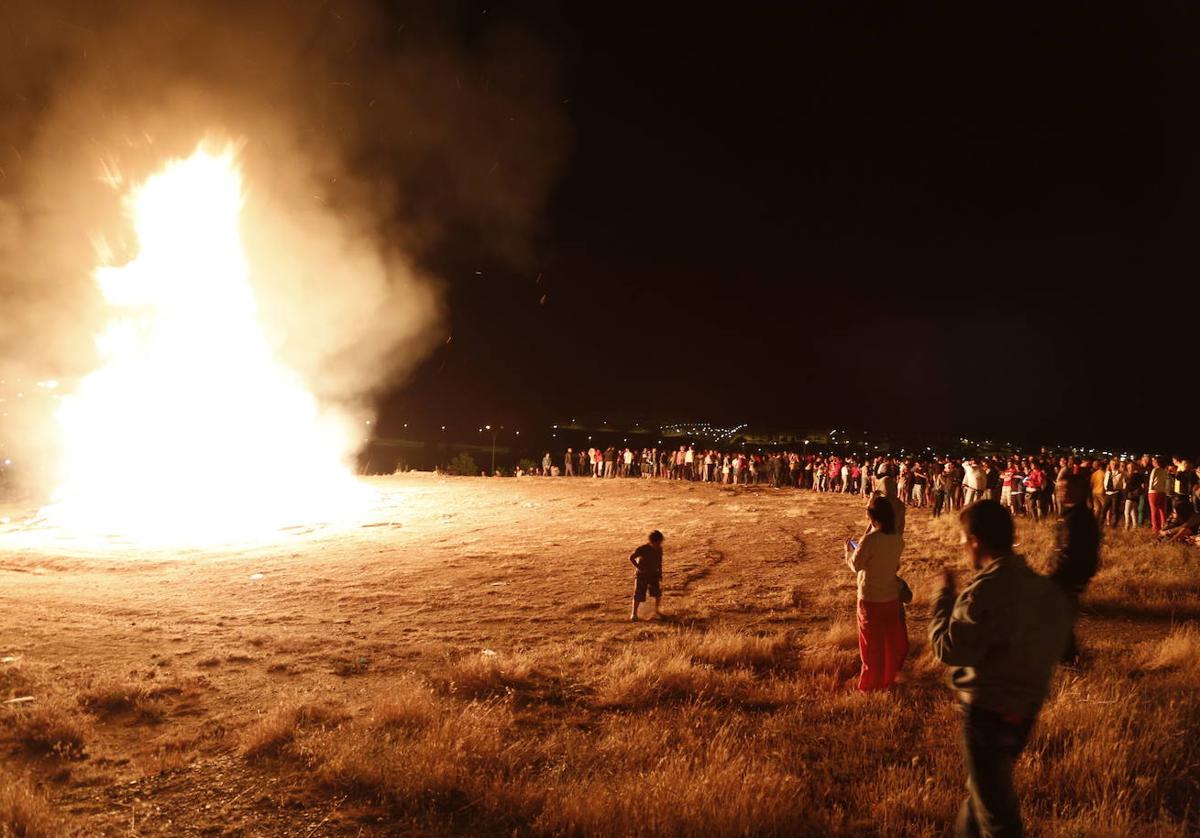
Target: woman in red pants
(1158, 493)
(882, 634)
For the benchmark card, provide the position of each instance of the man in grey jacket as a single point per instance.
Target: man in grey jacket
(1003, 635)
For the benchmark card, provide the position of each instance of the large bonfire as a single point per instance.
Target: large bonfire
(192, 429)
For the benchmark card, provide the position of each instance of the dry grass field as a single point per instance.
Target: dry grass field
(464, 665)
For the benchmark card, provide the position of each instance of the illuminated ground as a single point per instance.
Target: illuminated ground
(446, 569)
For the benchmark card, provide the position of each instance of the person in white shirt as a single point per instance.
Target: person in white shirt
(882, 633)
(974, 482)
(1159, 493)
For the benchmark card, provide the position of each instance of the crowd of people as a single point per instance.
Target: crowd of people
(1160, 493)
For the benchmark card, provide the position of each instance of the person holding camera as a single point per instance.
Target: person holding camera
(882, 632)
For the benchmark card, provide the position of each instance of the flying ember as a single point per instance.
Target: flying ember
(192, 429)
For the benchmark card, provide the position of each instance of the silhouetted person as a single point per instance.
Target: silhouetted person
(1003, 635)
(648, 561)
(1076, 550)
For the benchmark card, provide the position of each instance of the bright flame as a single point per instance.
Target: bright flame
(192, 430)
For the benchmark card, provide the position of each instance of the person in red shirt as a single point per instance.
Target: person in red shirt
(1035, 488)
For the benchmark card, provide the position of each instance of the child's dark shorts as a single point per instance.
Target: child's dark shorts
(644, 585)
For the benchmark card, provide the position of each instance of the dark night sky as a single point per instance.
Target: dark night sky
(966, 220)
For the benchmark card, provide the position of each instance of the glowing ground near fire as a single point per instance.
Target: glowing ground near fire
(461, 662)
(364, 504)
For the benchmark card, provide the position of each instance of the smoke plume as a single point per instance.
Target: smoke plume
(367, 135)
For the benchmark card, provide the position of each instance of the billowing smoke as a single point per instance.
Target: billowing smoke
(367, 135)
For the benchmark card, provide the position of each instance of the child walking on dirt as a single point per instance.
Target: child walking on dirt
(648, 561)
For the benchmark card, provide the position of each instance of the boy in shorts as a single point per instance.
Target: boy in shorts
(648, 561)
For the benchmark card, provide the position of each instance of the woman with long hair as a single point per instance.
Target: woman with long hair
(1158, 494)
(882, 634)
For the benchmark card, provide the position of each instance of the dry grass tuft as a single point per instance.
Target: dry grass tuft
(1178, 651)
(650, 675)
(521, 677)
(467, 758)
(842, 633)
(166, 758)
(718, 787)
(736, 650)
(24, 813)
(276, 730)
(50, 726)
(144, 702)
(410, 704)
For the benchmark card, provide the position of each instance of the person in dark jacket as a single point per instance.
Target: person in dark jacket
(1181, 494)
(1003, 635)
(1076, 550)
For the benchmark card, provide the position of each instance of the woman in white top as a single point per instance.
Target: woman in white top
(882, 633)
(1158, 491)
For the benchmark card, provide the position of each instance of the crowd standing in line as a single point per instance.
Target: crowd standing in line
(1158, 492)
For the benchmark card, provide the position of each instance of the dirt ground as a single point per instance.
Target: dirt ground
(447, 568)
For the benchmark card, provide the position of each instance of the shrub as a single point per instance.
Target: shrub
(463, 466)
